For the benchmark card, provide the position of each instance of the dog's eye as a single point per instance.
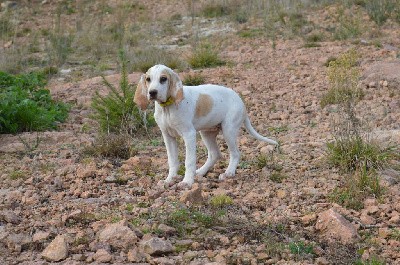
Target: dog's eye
(148, 79)
(163, 79)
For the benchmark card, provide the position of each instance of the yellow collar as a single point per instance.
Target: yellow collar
(169, 101)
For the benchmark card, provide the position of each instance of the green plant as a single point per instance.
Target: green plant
(193, 79)
(220, 201)
(184, 220)
(6, 26)
(116, 112)
(25, 105)
(277, 177)
(17, 174)
(142, 60)
(372, 261)
(215, 9)
(379, 10)
(351, 152)
(300, 248)
(60, 42)
(349, 25)
(112, 146)
(205, 56)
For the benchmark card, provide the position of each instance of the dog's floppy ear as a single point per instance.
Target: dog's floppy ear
(175, 87)
(141, 94)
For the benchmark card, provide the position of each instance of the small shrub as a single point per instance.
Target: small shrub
(220, 201)
(25, 105)
(205, 56)
(300, 248)
(116, 112)
(352, 152)
(379, 10)
(111, 146)
(277, 177)
(193, 79)
(212, 10)
(343, 75)
(349, 26)
(14, 175)
(6, 26)
(251, 33)
(142, 60)
(186, 219)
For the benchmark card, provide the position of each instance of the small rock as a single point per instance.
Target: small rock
(372, 84)
(156, 246)
(57, 250)
(308, 219)
(246, 92)
(281, 194)
(321, 261)
(334, 227)
(102, 256)
(9, 217)
(367, 219)
(40, 236)
(134, 255)
(193, 195)
(118, 235)
(167, 230)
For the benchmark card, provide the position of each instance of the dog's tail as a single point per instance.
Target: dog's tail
(255, 134)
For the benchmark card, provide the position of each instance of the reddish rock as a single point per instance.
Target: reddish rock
(57, 250)
(334, 227)
(193, 196)
(118, 235)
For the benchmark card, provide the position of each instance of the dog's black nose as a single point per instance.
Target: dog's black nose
(153, 94)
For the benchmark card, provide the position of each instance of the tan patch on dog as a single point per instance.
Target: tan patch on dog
(203, 105)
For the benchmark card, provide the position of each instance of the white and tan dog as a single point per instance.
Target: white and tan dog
(184, 110)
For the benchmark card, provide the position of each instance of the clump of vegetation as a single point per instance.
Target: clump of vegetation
(215, 9)
(25, 105)
(204, 56)
(380, 10)
(352, 151)
(349, 25)
(143, 59)
(184, 220)
(116, 112)
(111, 146)
(220, 201)
(301, 248)
(343, 75)
(194, 79)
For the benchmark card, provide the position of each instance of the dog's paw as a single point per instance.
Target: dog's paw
(185, 184)
(225, 175)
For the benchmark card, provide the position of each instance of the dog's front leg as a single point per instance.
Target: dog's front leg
(172, 153)
(189, 138)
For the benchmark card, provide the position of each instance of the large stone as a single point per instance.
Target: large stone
(102, 256)
(334, 227)
(156, 246)
(118, 235)
(57, 250)
(383, 71)
(193, 196)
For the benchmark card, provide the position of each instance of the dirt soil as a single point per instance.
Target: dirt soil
(54, 190)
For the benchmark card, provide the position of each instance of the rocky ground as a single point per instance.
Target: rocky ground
(59, 206)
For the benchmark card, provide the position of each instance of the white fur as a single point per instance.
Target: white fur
(227, 114)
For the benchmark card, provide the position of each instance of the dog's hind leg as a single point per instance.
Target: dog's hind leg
(214, 154)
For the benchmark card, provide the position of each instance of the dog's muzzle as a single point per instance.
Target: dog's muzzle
(153, 94)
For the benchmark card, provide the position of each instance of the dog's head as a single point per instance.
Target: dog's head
(160, 84)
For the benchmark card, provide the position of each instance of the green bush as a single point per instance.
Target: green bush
(205, 56)
(116, 112)
(193, 80)
(25, 105)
